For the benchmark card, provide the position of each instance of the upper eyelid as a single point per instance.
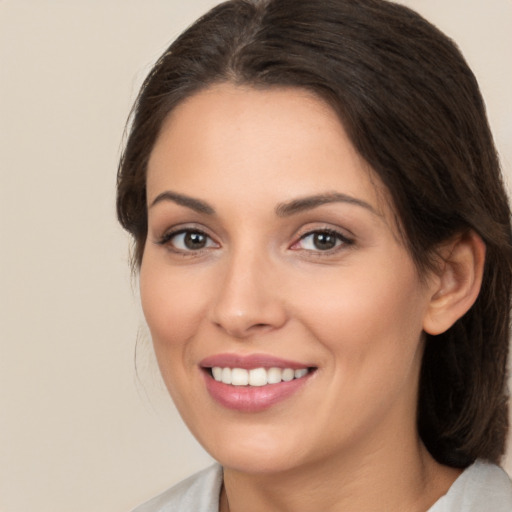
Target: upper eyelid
(180, 227)
(169, 233)
(325, 227)
(334, 232)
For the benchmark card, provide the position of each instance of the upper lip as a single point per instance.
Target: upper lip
(250, 362)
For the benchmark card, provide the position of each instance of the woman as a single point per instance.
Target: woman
(323, 241)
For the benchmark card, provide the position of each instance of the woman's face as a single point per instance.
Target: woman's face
(272, 245)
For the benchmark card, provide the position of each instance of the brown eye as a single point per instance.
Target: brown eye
(187, 240)
(195, 240)
(322, 241)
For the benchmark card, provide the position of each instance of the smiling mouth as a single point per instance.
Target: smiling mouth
(257, 377)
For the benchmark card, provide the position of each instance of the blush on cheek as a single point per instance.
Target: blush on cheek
(375, 319)
(172, 310)
(167, 322)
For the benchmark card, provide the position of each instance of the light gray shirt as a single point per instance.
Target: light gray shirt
(482, 487)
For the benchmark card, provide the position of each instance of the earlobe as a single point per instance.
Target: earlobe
(458, 282)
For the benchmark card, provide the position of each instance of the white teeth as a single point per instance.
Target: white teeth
(256, 376)
(300, 373)
(239, 377)
(288, 374)
(274, 375)
(217, 373)
(226, 375)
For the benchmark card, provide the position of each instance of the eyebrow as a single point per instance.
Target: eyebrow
(308, 203)
(282, 210)
(183, 200)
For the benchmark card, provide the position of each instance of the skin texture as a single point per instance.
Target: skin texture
(347, 439)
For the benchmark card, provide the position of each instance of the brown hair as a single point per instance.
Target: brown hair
(413, 110)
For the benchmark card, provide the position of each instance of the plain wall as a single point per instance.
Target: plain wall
(80, 429)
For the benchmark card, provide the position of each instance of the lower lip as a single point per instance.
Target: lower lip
(252, 398)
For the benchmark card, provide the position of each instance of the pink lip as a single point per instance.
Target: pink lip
(251, 398)
(250, 362)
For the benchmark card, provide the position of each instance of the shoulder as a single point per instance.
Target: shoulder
(198, 493)
(480, 488)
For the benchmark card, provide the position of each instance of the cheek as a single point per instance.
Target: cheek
(373, 317)
(172, 305)
(173, 311)
(371, 327)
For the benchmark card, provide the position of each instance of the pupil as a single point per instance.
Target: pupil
(195, 240)
(324, 241)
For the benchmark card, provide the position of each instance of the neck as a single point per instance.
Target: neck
(391, 476)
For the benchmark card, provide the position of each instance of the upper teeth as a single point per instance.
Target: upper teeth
(257, 376)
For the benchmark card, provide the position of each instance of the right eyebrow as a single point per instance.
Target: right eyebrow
(189, 202)
(309, 202)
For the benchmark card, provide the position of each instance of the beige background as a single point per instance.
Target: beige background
(79, 431)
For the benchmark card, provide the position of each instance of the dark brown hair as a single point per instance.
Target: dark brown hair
(413, 110)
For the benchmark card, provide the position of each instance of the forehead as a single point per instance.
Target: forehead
(283, 141)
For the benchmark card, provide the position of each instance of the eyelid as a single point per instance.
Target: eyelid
(345, 240)
(166, 238)
(163, 232)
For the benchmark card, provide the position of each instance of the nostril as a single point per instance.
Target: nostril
(241, 315)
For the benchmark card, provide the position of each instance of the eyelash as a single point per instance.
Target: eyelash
(167, 239)
(340, 241)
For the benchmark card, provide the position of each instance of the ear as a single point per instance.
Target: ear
(457, 284)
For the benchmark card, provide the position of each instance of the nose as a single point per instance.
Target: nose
(249, 299)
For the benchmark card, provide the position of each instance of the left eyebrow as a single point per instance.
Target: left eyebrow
(308, 203)
(189, 202)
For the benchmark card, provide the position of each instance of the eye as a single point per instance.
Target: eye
(321, 240)
(187, 240)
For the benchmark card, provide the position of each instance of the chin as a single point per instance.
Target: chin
(253, 450)
(257, 463)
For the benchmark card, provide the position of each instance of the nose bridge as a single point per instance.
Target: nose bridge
(247, 298)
